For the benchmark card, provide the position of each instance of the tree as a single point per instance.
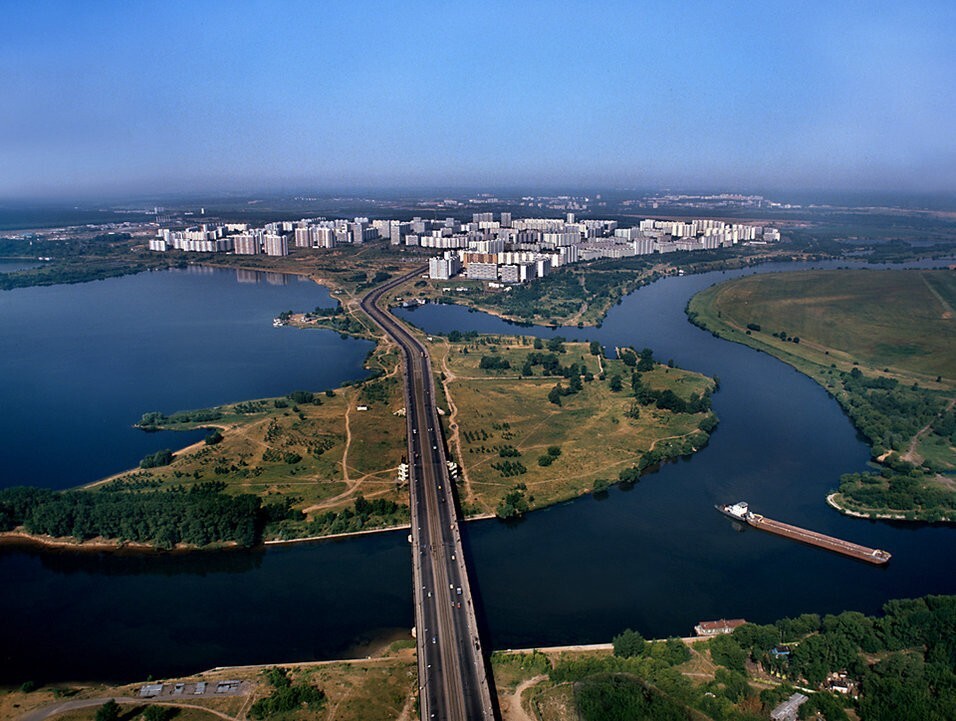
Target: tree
(724, 650)
(160, 713)
(615, 384)
(594, 347)
(109, 711)
(554, 395)
(628, 643)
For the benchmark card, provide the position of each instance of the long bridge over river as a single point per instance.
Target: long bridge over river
(452, 673)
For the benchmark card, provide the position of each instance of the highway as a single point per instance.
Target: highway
(451, 667)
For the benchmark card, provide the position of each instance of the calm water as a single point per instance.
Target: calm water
(657, 557)
(11, 266)
(81, 363)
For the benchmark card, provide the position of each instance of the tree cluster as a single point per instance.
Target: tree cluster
(514, 504)
(888, 413)
(286, 696)
(157, 459)
(363, 514)
(494, 362)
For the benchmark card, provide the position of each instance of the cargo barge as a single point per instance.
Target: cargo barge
(740, 511)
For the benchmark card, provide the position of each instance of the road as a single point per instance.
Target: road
(451, 666)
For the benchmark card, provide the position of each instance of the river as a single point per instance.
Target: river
(657, 557)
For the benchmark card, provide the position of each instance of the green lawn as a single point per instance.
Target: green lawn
(901, 319)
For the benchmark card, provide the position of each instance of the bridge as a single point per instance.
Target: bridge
(451, 667)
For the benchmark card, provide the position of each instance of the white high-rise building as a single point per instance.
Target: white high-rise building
(443, 268)
(246, 244)
(276, 244)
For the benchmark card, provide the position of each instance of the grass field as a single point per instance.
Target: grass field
(380, 688)
(319, 454)
(897, 319)
(501, 417)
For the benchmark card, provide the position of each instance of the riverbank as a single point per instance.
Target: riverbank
(23, 538)
(536, 423)
(582, 294)
(889, 369)
(834, 500)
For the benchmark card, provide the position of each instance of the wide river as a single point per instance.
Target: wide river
(657, 557)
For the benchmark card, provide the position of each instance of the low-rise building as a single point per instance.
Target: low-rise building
(789, 709)
(715, 628)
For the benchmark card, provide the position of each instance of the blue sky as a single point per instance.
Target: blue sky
(180, 96)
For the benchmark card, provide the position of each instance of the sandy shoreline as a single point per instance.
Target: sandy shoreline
(831, 501)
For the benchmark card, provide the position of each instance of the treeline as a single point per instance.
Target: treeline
(197, 516)
(363, 514)
(77, 260)
(78, 272)
(152, 420)
(155, 419)
(666, 450)
(903, 662)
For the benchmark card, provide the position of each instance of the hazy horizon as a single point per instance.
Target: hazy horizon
(137, 99)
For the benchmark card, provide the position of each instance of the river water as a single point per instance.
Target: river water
(657, 557)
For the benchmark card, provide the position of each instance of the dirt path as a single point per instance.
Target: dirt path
(513, 709)
(59, 708)
(947, 308)
(406, 714)
(455, 439)
(911, 455)
(335, 709)
(348, 443)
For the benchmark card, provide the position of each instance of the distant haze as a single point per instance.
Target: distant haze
(152, 97)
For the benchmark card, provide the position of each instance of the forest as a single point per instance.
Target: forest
(898, 666)
(197, 516)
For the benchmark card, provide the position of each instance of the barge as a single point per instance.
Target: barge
(740, 511)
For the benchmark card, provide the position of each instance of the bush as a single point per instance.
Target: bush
(109, 711)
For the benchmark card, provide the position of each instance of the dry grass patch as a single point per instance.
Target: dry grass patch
(506, 422)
